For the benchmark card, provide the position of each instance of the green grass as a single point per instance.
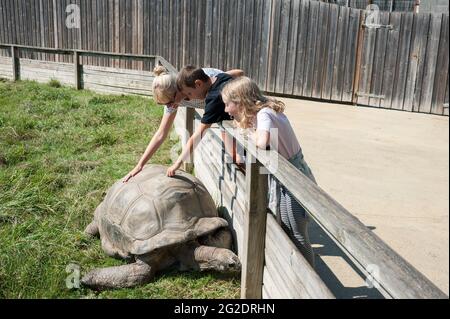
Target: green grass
(60, 150)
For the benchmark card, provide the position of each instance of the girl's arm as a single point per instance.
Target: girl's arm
(189, 148)
(155, 143)
(261, 138)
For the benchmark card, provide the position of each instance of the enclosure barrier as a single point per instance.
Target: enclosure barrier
(302, 48)
(79, 75)
(272, 265)
(261, 240)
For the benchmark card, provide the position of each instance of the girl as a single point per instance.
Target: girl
(251, 110)
(166, 92)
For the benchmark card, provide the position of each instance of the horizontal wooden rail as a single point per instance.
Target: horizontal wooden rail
(392, 275)
(82, 52)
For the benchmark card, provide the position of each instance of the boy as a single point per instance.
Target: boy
(195, 84)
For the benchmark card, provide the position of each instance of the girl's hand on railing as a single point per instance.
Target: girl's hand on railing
(134, 172)
(172, 169)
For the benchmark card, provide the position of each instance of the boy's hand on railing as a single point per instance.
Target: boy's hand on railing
(136, 170)
(172, 169)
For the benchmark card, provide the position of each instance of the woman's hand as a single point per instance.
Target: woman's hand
(134, 172)
(172, 169)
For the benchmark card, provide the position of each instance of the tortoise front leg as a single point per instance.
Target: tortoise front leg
(125, 276)
(92, 229)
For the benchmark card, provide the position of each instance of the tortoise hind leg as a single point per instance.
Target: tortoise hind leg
(125, 276)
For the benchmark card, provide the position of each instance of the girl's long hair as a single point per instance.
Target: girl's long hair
(245, 93)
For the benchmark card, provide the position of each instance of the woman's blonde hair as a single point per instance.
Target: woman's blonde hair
(164, 85)
(245, 93)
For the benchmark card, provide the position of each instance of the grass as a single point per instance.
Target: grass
(60, 150)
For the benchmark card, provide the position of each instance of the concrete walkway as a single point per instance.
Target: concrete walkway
(388, 168)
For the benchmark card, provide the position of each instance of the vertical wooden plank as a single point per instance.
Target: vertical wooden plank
(257, 36)
(43, 24)
(14, 26)
(105, 30)
(301, 47)
(247, 37)
(273, 52)
(201, 35)
(185, 32)
(33, 27)
(311, 49)
(254, 231)
(391, 60)
(437, 106)
(56, 29)
(265, 44)
(378, 63)
(353, 56)
(116, 30)
(341, 47)
(402, 63)
(237, 30)
(430, 64)
(368, 50)
(3, 27)
(192, 33)
(422, 39)
(321, 50)
(208, 33)
(417, 41)
(231, 35)
(129, 32)
(83, 31)
(331, 53)
(292, 47)
(281, 49)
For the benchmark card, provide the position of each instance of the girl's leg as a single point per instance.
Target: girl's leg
(298, 222)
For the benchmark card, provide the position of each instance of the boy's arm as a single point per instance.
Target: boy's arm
(235, 73)
(189, 147)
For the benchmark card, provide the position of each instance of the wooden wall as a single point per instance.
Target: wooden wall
(302, 48)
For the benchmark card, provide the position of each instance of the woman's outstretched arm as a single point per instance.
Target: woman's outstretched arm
(156, 141)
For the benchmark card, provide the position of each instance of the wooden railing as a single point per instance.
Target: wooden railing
(80, 75)
(388, 272)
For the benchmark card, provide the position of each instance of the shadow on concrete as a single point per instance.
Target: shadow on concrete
(329, 248)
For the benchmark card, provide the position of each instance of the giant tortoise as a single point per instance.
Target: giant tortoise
(155, 221)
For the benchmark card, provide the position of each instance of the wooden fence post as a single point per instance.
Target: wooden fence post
(77, 70)
(15, 63)
(254, 231)
(188, 165)
(359, 50)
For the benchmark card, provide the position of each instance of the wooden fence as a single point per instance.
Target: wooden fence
(101, 79)
(272, 265)
(301, 48)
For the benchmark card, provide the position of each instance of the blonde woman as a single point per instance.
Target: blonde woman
(261, 115)
(166, 93)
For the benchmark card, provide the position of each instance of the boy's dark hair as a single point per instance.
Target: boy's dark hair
(189, 74)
